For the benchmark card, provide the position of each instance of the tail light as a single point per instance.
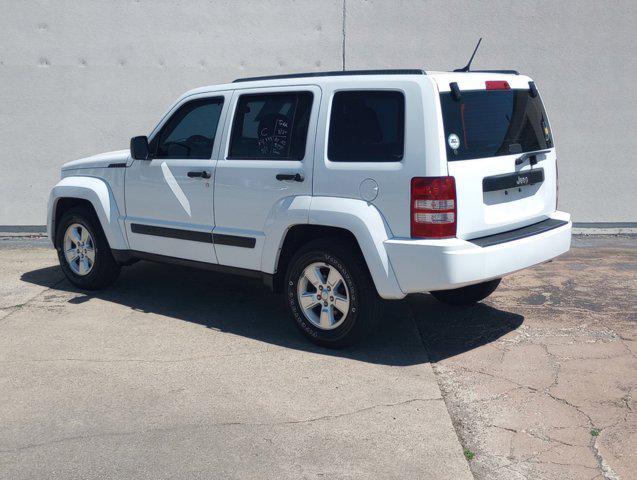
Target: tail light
(433, 207)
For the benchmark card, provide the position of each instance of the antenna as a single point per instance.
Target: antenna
(468, 65)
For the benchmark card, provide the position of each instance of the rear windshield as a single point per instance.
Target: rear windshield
(490, 123)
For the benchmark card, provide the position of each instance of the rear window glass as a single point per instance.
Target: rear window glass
(490, 123)
(367, 126)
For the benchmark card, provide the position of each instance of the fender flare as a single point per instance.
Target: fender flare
(359, 217)
(285, 213)
(99, 195)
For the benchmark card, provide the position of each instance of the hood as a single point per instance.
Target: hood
(98, 161)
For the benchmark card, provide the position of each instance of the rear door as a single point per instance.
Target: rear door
(500, 152)
(266, 165)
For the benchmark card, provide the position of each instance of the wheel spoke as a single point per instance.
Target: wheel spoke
(333, 278)
(314, 276)
(76, 236)
(327, 317)
(90, 254)
(71, 255)
(308, 301)
(341, 303)
(83, 266)
(84, 236)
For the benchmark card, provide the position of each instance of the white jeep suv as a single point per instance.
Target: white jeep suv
(337, 189)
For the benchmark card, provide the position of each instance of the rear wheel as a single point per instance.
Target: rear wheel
(330, 294)
(467, 295)
(83, 250)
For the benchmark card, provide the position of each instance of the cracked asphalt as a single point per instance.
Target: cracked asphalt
(542, 386)
(176, 373)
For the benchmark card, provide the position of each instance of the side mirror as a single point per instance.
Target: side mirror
(139, 149)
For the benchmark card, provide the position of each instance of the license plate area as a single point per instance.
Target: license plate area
(512, 180)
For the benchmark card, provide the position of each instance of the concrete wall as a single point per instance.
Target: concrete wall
(81, 77)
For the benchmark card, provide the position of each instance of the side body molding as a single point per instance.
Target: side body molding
(98, 193)
(366, 223)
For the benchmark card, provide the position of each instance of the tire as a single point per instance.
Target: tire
(354, 284)
(467, 295)
(103, 270)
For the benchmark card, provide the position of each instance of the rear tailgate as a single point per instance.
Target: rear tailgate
(499, 150)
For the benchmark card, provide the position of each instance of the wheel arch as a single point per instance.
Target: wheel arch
(96, 195)
(350, 220)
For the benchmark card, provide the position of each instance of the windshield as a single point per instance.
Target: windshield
(490, 123)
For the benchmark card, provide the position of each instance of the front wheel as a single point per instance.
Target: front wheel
(330, 294)
(467, 295)
(83, 250)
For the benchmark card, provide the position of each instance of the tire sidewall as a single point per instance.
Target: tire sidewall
(316, 334)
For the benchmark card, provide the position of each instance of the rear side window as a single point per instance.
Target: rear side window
(490, 123)
(367, 126)
(190, 132)
(271, 126)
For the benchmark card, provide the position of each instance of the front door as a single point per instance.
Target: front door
(169, 198)
(266, 168)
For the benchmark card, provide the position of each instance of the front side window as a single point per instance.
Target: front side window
(367, 126)
(271, 126)
(190, 132)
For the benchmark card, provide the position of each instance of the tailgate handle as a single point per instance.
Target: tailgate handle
(512, 180)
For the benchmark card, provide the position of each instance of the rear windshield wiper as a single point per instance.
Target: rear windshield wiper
(530, 155)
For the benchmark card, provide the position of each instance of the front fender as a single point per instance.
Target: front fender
(366, 223)
(98, 193)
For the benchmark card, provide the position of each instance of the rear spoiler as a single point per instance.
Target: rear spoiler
(455, 89)
(506, 72)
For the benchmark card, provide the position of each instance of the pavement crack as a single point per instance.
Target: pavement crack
(353, 412)
(217, 425)
(571, 405)
(605, 469)
(20, 306)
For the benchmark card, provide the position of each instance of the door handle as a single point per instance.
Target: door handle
(297, 177)
(202, 174)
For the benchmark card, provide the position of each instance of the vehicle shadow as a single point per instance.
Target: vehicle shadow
(244, 306)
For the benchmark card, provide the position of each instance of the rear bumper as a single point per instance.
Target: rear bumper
(426, 265)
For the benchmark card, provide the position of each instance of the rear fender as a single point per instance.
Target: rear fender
(366, 223)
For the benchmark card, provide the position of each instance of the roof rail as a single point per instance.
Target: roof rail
(508, 72)
(335, 74)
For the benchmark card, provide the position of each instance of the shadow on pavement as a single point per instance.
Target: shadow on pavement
(447, 331)
(244, 306)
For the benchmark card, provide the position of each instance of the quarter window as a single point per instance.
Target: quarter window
(190, 132)
(367, 126)
(271, 126)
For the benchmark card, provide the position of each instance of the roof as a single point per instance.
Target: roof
(471, 79)
(335, 73)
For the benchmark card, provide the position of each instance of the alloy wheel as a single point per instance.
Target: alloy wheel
(323, 296)
(79, 249)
